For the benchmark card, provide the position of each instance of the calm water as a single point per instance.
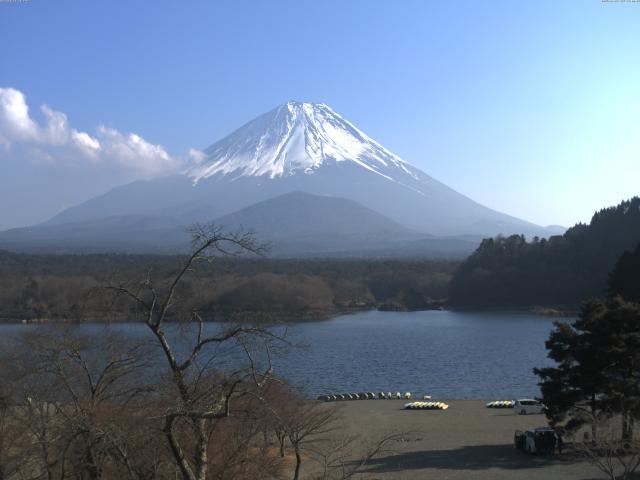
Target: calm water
(445, 354)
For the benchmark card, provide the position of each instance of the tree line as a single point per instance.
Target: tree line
(63, 287)
(559, 271)
(594, 386)
(187, 399)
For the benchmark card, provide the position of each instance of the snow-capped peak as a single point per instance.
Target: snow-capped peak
(297, 137)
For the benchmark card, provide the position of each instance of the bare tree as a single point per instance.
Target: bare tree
(615, 455)
(28, 413)
(13, 440)
(315, 431)
(77, 399)
(197, 401)
(306, 424)
(200, 397)
(344, 457)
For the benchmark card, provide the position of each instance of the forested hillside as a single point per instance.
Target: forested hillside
(624, 280)
(561, 271)
(71, 287)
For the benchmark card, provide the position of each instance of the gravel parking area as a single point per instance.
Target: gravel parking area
(467, 441)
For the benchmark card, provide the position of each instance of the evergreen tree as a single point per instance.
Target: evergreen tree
(573, 390)
(619, 348)
(560, 271)
(597, 368)
(624, 280)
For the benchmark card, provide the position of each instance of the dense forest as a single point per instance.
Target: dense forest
(624, 280)
(561, 271)
(504, 272)
(72, 287)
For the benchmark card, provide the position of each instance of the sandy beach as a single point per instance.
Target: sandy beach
(467, 441)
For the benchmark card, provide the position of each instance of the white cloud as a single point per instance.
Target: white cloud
(56, 141)
(15, 123)
(133, 151)
(56, 132)
(85, 142)
(196, 156)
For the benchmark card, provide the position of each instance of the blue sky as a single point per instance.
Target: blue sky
(531, 108)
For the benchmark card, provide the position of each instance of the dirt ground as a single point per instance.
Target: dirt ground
(467, 441)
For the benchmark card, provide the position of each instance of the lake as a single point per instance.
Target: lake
(461, 355)
(445, 354)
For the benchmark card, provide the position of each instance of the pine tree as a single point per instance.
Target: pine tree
(624, 280)
(573, 390)
(597, 370)
(619, 335)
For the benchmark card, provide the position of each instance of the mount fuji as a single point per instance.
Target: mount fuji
(296, 147)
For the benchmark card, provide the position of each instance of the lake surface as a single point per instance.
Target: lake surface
(442, 353)
(461, 355)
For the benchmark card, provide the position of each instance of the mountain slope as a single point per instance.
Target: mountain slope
(119, 233)
(301, 214)
(295, 224)
(300, 223)
(298, 137)
(303, 147)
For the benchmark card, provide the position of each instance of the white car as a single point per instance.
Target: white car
(525, 406)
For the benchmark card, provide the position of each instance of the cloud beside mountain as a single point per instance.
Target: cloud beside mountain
(301, 176)
(55, 143)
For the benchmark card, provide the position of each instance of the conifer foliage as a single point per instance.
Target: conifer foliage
(560, 271)
(597, 372)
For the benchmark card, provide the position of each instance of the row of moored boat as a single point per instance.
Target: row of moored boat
(426, 406)
(365, 396)
(501, 404)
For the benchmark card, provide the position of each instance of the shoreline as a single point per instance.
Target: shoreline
(276, 318)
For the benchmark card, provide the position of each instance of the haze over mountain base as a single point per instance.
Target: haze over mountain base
(298, 166)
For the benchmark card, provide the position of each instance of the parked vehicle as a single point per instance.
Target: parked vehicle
(537, 440)
(525, 406)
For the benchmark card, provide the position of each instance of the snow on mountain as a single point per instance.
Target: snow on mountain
(298, 137)
(302, 147)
